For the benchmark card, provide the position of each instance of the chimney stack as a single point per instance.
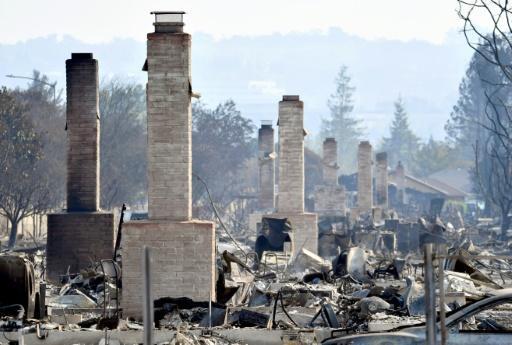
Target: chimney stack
(364, 177)
(330, 162)
(381, 180)
(400, 182)
(291, 155)
(184, 249)
(83, 232)
(169, 119)
(266, 160)
(83, 127)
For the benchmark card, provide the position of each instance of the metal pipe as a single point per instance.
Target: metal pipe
(430, 299)
(442, 312)
(147, 298)
(210, 310)
(104, 290)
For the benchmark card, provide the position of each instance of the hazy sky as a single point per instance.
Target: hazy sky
(96, 21)
(435, 54)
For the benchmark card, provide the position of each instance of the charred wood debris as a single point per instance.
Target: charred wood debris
(367, 277)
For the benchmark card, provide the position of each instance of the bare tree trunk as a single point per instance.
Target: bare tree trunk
(40, 232)
(505, 224)
(13, 234)
(487, 212)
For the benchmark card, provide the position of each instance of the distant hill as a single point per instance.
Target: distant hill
(256, 71)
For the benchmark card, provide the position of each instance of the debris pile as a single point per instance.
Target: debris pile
(369, 285)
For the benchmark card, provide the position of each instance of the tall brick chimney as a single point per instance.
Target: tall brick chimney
(400, 182)
(83, 125)
(266, 160)
(169, 119)
(330, 162)
(330, 196)
(290, 198)
(381, 180)
(83, 232)
(364, 177)
(291, 155)
(183, 249)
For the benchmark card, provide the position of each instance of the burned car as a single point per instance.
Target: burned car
(18, 287)
(486, 321)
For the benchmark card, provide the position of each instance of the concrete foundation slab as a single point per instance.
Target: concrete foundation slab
(75, 239)
(182, 261)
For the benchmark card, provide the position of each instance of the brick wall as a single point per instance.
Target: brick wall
(169, 126)
(182, 261)
(364, 177)
(330, 200)
(77, 239)
(83, 127)
(291, 155)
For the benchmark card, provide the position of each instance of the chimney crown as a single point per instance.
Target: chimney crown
(291, 98)
(81, 56)
(168, 21)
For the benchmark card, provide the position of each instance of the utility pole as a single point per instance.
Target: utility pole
(37, 81)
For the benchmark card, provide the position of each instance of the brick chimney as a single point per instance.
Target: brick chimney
(291, 155)
(266, 160)
(83, 126)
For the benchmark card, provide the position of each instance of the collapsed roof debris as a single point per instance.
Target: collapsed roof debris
(358, 291)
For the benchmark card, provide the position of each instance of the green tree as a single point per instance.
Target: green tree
(433, 156)
(479, 127)
(24, 189)
(487, 29)
(464, 127)
(223, 142)
(402, 144)
(46, 110)
(341, 125)
(123, 143)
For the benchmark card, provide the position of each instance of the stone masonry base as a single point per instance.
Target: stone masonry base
(305, 230)
(182, 261)
(76, 239)
(330, 200)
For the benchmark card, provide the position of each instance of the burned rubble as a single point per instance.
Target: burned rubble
(361, 289)
(325, 277)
